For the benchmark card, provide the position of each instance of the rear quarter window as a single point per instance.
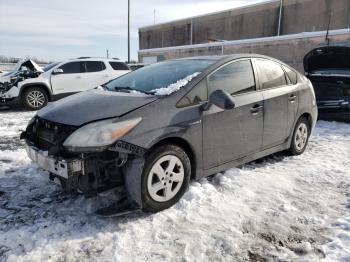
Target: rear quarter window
(271, 74)
(293, 77)
(119, 66)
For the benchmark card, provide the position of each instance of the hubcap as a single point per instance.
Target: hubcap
(301, 137)
(165, 178)
(36, 98)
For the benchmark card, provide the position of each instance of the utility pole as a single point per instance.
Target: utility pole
(280, 18)
(154, 16)
(128, 31)
(191, 34)
(107, 53)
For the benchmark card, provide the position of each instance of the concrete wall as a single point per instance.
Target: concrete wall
(249, 22)
(290, 49)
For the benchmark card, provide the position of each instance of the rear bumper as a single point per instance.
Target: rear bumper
(341, 104)
(59, 167)
(335, 116)
(334, 110)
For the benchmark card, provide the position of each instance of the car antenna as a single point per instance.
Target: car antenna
(329, 24)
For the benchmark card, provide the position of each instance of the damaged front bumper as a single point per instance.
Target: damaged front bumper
(59, 167)
(9, 97)
(82, 174)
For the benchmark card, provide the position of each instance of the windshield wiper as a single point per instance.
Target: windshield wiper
(128, 89)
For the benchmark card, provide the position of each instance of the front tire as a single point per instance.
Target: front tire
(165, 178)
(300, 137)
(34, 98)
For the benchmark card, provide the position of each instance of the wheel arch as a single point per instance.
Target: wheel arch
(185, 145)
(41, 85)
(308, 117)
(310, 120)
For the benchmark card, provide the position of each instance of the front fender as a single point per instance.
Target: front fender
(12, 93)
(34, 82)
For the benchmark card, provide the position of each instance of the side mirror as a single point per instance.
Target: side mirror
(57, 71)
(221, 99)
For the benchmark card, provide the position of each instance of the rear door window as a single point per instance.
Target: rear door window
(234, 78)
(73, 68)
(271, 74)
(119, 66)
(94, 66)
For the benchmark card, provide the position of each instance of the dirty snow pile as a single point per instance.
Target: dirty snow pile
(164, 91)
(278, 208)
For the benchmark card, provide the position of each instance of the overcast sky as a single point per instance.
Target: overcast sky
(61, 29)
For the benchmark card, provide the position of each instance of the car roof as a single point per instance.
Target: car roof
(226, 57)
(97, 58)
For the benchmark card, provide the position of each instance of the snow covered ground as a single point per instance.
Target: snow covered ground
(278, 208)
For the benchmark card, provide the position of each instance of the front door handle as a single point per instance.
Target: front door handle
(255, 109)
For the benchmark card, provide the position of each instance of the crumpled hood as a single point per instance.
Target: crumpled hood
(93, 105)
(29, 63)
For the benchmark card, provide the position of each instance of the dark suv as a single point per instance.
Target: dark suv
(154, 129)
(328, 68)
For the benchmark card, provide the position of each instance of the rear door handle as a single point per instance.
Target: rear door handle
(292, 98)
(78, 77)
(340, 82)
(255, 109)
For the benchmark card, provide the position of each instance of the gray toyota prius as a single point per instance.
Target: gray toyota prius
(151, 131)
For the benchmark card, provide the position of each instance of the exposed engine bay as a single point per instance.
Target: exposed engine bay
(87, 173)
(24, 69)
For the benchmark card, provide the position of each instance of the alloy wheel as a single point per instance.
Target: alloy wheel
(36, 98)
(301, 136)
(165, 178)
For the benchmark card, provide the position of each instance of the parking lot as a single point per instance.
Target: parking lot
(280, 207)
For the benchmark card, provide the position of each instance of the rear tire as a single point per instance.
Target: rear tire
(300, 137)
(34, 98)
(165, 178)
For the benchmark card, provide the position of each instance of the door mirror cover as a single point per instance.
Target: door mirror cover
(222, 99)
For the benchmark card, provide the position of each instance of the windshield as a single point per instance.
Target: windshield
(160, 75)
(49, 66)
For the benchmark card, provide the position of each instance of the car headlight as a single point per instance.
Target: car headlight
(98, 135)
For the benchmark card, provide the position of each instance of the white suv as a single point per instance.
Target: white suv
(61, 79)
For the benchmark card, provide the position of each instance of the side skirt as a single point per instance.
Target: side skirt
(244, 160)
